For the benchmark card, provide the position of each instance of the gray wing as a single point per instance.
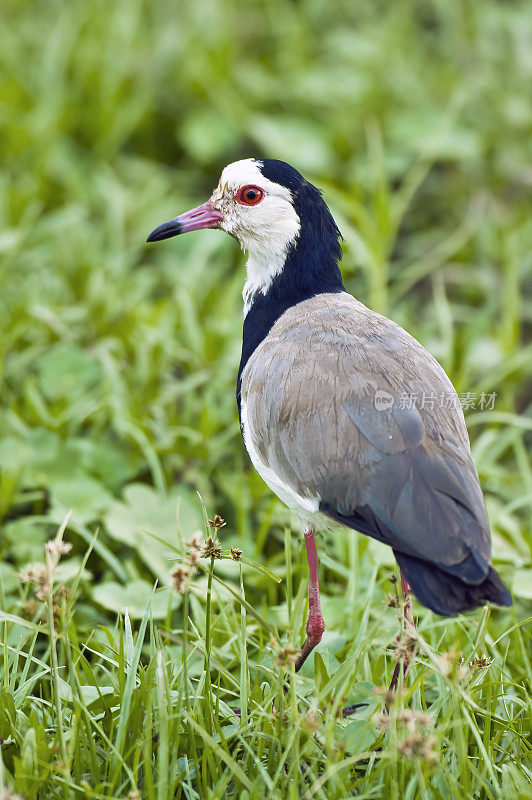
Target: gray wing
(401, 473)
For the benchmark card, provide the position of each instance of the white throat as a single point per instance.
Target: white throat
(264, 264)
(268, 247)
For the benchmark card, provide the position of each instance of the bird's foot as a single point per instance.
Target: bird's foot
(315, 627)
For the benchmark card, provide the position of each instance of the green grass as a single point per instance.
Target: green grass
(118, 363)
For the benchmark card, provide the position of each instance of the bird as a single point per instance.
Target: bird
(347, 418)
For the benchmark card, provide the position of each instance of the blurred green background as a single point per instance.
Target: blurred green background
(119, 359)
(118, 363)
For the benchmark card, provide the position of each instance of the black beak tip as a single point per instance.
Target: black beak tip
(165, 231)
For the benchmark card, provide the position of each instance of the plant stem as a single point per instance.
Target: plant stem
(243, 656)
(208, 645)
(55, 675)
(185, 650)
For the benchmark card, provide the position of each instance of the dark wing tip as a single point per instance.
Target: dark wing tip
(496, 590)
(446, 594)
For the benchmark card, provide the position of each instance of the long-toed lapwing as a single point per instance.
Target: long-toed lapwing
(321, 395)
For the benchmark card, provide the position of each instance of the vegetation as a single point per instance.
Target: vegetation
(123, 651)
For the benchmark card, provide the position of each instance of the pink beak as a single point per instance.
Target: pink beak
(204, 216)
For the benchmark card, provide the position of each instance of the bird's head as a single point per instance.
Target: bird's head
(272, 211)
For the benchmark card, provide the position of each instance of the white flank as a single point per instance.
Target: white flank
(303, 506)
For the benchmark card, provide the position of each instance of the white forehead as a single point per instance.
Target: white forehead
(247, 171)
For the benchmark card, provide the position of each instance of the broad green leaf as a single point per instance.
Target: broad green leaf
(67, 372)
(144, 511)
(134, 597)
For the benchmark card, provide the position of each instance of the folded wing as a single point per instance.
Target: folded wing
(344, 406)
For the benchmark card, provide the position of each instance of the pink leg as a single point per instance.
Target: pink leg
(409, 630)
(315, 624)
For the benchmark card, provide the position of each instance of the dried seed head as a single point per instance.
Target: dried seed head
(56, 610)
(407, 718)
(236, 553)
(392, 601)
(30, 609)
(195, 543)
(58, 548)
(425, 720)
(43, 591)
(484, 662)
(414, 719)
(194, 550)
(382, 721)
(211, 548)
(217, 523)
(419, 746)
(37, 574)
(405, 646)
(450, 665)
(64, 591)
(180, 578)
(446, 661)
(287, 656)
(33, 573)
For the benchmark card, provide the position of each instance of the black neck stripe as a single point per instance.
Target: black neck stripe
(311, 265)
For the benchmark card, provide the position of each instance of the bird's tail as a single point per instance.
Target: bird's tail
(446, 594)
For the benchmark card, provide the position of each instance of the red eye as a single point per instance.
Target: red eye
(249, 195)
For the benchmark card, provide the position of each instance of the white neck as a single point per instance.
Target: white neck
(267, 257)
(261, 270)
